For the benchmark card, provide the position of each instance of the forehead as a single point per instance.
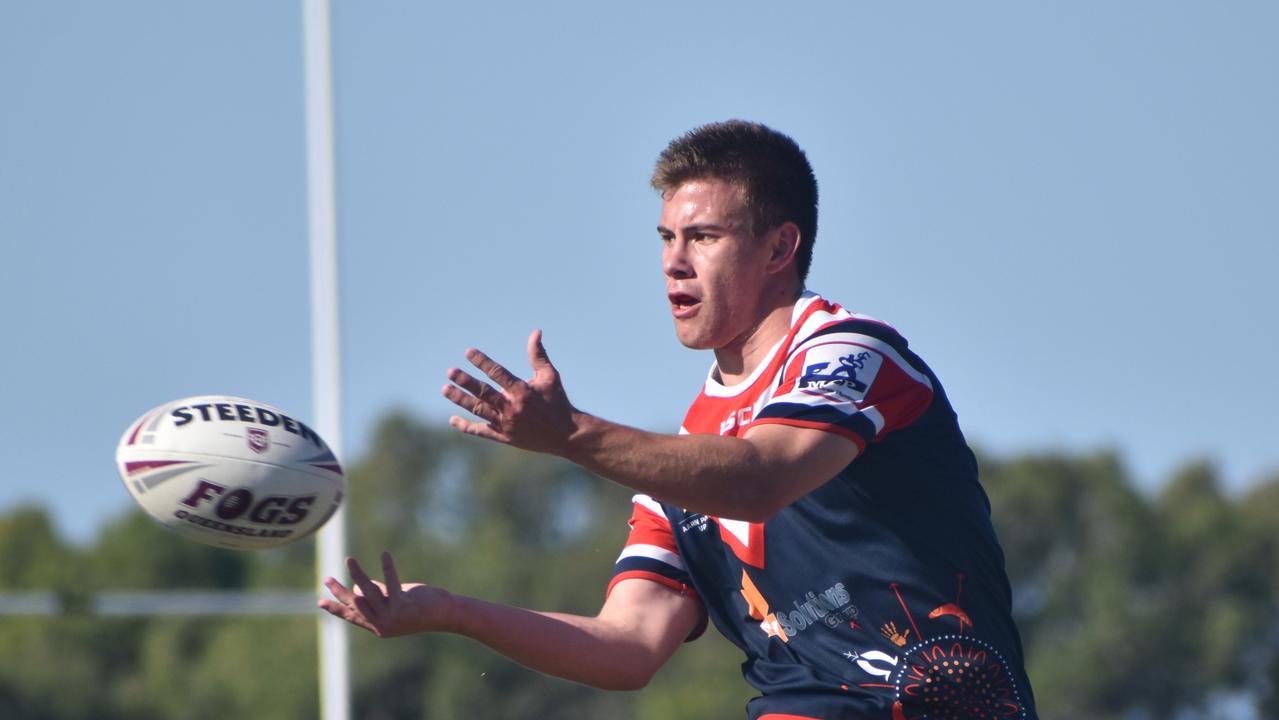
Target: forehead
(704, 202)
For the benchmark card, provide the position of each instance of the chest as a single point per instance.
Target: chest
(728, 416)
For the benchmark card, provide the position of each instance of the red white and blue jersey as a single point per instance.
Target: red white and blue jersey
(882, 593)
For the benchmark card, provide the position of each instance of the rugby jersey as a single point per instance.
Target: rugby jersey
(882, 593)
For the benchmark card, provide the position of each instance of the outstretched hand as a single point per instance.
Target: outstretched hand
(532, 414)
(386, 609)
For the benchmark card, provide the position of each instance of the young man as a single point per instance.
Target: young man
(819, 504)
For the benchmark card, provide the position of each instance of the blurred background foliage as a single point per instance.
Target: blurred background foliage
(1132, 605)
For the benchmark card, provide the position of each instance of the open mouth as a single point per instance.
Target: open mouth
(683, 304)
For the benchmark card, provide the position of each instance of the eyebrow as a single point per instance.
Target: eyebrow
(696, 227)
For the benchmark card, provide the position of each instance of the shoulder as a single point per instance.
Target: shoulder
(816, 315)
(824, 324)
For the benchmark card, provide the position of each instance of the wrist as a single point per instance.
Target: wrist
(577, 445)
(454, 612)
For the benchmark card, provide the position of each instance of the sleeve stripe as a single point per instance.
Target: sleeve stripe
(652, 552)
(683, 588)
(652, 567)
(857, 422)
(651, 505)
(814, 399)
(859, 436)
(876, 418)
(856, 439)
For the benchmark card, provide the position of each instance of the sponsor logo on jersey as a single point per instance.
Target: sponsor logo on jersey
(873, 662)
(848, 375)
(694, 522)
(831, 607)
(739, 418)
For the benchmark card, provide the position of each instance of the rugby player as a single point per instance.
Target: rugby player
(819, 505)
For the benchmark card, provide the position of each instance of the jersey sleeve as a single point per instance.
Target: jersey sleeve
(851, 382)
(650, 552)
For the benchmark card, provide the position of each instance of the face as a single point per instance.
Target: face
(716, 269)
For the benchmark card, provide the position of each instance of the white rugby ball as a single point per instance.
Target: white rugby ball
(230, 472)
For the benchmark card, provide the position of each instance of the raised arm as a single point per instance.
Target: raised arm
(639, 627)
(747, 478)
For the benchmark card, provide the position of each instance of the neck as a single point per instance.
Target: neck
(735, 362)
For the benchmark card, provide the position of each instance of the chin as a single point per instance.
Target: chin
(693, 341)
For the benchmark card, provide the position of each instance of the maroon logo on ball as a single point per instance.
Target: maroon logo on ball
(258, 439)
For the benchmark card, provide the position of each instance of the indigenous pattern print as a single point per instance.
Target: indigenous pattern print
(882, 593)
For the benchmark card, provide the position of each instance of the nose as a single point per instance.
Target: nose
(675, 263)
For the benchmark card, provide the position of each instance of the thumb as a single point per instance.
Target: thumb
(537, 356)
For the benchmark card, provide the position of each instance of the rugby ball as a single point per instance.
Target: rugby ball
(230, 472)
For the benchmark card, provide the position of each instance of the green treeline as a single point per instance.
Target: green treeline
(1131, 605)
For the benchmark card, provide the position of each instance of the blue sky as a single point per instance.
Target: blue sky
(1071, 210)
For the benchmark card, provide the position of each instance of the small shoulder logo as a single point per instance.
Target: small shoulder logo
(846, 373)
(850, 378)
(259, 440)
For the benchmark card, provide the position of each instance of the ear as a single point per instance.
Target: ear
(783, 244)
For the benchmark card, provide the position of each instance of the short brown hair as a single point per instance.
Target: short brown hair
(774, 176)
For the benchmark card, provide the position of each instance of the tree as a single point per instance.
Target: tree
(32, 557)
(1131, 605)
